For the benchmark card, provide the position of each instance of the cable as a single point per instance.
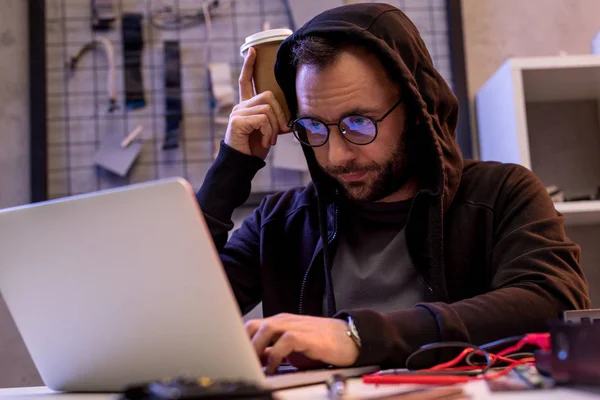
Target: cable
(541, 340)
(208, 51)
(112, 69)
(449, 373)
(454, 361)
(491, 345)
(207, 20)
(505, 371)
(520, 356)
(501, 342)
(440, 345)
(427, 378)
(167, 18)
(510, 358)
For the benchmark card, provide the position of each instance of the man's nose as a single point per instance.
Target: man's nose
(340, 150)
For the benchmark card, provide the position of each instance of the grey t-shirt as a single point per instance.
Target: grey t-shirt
(371, 267)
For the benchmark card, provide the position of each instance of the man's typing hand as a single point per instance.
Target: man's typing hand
(293, 336)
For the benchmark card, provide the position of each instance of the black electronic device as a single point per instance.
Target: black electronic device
(575, 354)
(173, 105)
(184, 388)
(133, 47)
(103, 14)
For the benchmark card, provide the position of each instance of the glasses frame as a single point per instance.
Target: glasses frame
(339, 125)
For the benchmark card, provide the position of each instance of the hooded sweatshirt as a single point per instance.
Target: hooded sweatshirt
(483, 237)
(395, 40)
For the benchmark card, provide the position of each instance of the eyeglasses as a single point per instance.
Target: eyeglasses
(357, 129)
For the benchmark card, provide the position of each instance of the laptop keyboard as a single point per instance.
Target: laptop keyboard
(284, 369)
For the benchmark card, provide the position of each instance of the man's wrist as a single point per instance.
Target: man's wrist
(243, 148)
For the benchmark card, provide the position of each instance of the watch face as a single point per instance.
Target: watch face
(353, 330)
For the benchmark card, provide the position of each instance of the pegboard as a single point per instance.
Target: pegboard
(76, 103)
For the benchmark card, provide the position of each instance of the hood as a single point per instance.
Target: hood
(387, 31)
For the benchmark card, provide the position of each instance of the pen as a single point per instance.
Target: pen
(473, 372)
(336, 386)
(423, 379)
(132, 135)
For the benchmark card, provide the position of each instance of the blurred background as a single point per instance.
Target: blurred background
(77, 77)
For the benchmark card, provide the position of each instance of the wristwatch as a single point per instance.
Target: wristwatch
(352, 332)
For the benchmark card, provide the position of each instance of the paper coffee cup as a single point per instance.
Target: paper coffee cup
(266, 44)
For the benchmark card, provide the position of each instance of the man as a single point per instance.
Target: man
(397, 242)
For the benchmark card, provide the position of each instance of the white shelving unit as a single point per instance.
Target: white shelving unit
(580, 212)
(544, 113)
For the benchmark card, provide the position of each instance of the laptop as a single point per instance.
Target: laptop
(125, 286)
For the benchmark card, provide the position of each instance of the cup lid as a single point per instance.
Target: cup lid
(271, 35)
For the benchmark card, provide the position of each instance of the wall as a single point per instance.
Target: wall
(14, 151)
(16, 367)
(497, 29)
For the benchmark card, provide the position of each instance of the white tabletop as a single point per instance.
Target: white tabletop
(356, 390)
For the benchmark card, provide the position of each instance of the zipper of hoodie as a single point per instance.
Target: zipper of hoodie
(410, 257)
(317, 252)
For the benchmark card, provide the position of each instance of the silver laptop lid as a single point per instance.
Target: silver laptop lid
(121, 286)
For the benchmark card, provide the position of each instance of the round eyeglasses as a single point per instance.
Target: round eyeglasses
(357, 129)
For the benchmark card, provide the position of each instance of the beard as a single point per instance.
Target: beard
(382, 180)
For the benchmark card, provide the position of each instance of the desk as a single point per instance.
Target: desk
(356, 390)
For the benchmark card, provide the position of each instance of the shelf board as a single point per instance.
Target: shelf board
(562, 84)
(554, 62)
(580, 212)
(556, 78)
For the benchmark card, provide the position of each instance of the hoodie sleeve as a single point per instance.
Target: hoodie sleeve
(226, 186)
(536, 276)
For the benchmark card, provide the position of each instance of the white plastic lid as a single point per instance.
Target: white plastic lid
(271, 35)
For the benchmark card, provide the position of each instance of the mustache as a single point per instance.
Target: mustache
(351, 169)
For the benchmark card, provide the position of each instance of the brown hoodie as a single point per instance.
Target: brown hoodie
(484, 237)
(387, 32)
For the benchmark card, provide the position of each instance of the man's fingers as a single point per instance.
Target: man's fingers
(267, 132)
(269, 98)
(279, 112)
(286, 333)
(288, 343)
(267, 333)
(265, 356)
(245, 81)
(252, 326)
(261, 123)
(265, 109)
(267, 141)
